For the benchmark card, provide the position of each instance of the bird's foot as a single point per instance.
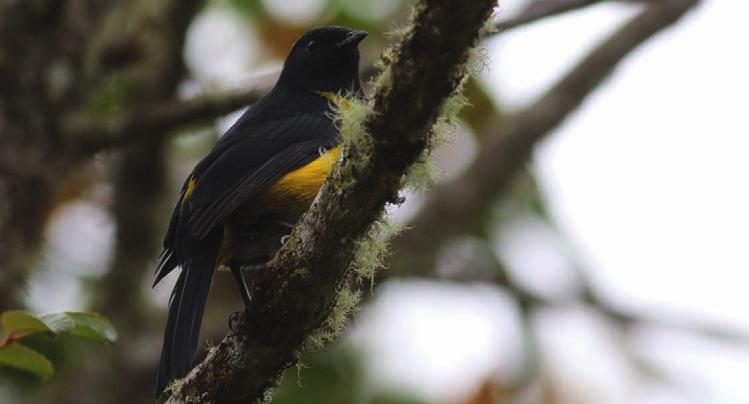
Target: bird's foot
(234, 318)
(284, 239)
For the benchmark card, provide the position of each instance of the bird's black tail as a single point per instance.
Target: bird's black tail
(186, 305)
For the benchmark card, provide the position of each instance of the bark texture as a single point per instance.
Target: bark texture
(296, 291)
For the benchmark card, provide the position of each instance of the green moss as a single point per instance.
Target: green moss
(346, 302)
(478, 61)
(299, 366)
(490, 25)
(175, 385)
(424, 171)
(384, 79)
(354, 114)
(372, 248)
(370, 253)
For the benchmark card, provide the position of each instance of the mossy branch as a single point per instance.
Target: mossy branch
(295, 292)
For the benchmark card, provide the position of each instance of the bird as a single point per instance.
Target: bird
(244, 197)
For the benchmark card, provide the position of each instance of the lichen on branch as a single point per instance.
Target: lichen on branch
(384, 136)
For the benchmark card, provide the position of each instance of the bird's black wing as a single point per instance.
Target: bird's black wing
(244, 161)
(229, 139)
(255, 161)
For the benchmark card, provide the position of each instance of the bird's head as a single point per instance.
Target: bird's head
(324, 59)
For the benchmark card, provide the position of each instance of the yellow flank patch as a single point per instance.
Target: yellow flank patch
(306, 181)
(190, 188)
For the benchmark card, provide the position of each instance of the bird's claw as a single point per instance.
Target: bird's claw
(234, 318)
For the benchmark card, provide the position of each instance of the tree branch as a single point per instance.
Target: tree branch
(629, 319)
(541, 9)
(623, 317)
(297, 289)
(157, 119)
(510, 141)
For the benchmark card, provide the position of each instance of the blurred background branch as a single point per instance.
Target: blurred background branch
(508, 141)
(539, 9)
(160, 119)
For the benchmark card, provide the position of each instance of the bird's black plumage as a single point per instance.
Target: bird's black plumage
(228, 190)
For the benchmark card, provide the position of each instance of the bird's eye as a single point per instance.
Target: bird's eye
(311, 47)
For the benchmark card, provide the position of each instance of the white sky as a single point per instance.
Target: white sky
(648, 180)
(649, 177)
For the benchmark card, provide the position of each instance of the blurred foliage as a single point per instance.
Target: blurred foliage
(21, 357)
(278, 33)
(109, 98)
(335, 376)
(19, 325)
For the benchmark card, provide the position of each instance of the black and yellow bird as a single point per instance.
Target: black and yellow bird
(251, 188)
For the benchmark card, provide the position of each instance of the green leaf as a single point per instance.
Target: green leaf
(19, 324)
(93, 326)
(24, 358)
(58, 322)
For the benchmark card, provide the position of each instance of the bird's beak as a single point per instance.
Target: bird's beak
(352, 39)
